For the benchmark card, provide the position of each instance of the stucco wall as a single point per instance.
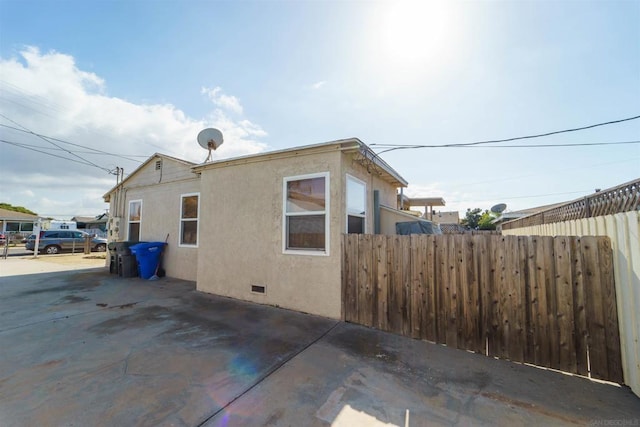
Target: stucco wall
(161, 213)
(389, 217)
(242, 209)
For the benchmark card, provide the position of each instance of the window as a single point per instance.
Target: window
(356, 205)
(306, 223)
(135, 217)
(189, 212)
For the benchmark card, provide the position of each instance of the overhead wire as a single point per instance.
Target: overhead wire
(48, 154)
(393, 147)
(53, 143)
(94, 150)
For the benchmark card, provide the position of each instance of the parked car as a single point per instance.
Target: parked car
(56, 241)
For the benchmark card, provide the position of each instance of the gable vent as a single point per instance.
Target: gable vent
(158, 165)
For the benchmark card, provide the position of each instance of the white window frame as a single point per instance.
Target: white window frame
(180, 220)
(346, 204)
(134, 222)
(326, 213)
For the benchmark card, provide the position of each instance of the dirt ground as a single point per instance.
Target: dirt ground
(28, 264)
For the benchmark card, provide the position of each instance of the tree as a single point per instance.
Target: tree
(476, 220)
(485, 221)
(472, 218)
(10, 207)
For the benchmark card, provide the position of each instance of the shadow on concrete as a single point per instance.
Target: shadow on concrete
(88, 348)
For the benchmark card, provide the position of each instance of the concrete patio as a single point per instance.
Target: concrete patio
(83, 347)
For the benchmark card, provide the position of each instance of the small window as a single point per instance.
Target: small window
(306, 205)
(356, 205)
(189, 213)
(135, 219)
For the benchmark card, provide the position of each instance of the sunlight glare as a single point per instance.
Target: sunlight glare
(413, 34)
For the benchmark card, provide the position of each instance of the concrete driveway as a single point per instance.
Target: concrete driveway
(83, 347)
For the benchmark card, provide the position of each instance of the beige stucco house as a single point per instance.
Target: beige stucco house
(267, 226)
(148, 205)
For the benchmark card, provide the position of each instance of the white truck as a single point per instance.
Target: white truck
(55, 224)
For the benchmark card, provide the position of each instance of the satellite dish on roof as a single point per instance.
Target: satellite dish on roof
(499, 208)
(210, 139)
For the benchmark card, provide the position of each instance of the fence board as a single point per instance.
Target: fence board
(351, 264)
(365, 280)
(382, 282)
(552, 303)
(543, 300)
(441, 280)
(396, 287)
(534, 313)
(518, 345)
(431, 327)
(562, 249)
(595, 311)
(461, 289)
(452, 293)
(579, 313)
(614, 363)
(417, 303)
(406, 287)
(469, 315)
(485, 274)
(500, 289)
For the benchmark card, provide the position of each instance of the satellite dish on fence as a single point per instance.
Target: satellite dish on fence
(210, 139)
(499, 208)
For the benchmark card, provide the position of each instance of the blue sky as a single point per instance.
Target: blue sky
(136, 77)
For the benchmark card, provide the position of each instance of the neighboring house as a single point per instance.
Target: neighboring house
(427, 203)
(18, 223)
(266, 227)
(451, 217)
(511, 215)
(92, 224)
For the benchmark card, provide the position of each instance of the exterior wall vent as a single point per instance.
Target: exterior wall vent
(258, 289)
(158, 165)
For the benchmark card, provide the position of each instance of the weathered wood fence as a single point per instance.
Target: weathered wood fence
(548, 301)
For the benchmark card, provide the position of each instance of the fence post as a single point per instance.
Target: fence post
(87, 245)
(587, 208)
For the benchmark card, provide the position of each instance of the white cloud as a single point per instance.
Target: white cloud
(318, 85)
(48, 94)
(226, 102)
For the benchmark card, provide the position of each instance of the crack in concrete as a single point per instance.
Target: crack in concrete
(269, 373)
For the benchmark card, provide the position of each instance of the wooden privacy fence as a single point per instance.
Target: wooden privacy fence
(548, 301)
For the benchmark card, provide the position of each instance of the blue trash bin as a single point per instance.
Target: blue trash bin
(148, 257)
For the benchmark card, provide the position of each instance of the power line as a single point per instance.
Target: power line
(579, 144)
(48, 154)
(22, 144)
(468, 144)
(95, 150)
(53, 143)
